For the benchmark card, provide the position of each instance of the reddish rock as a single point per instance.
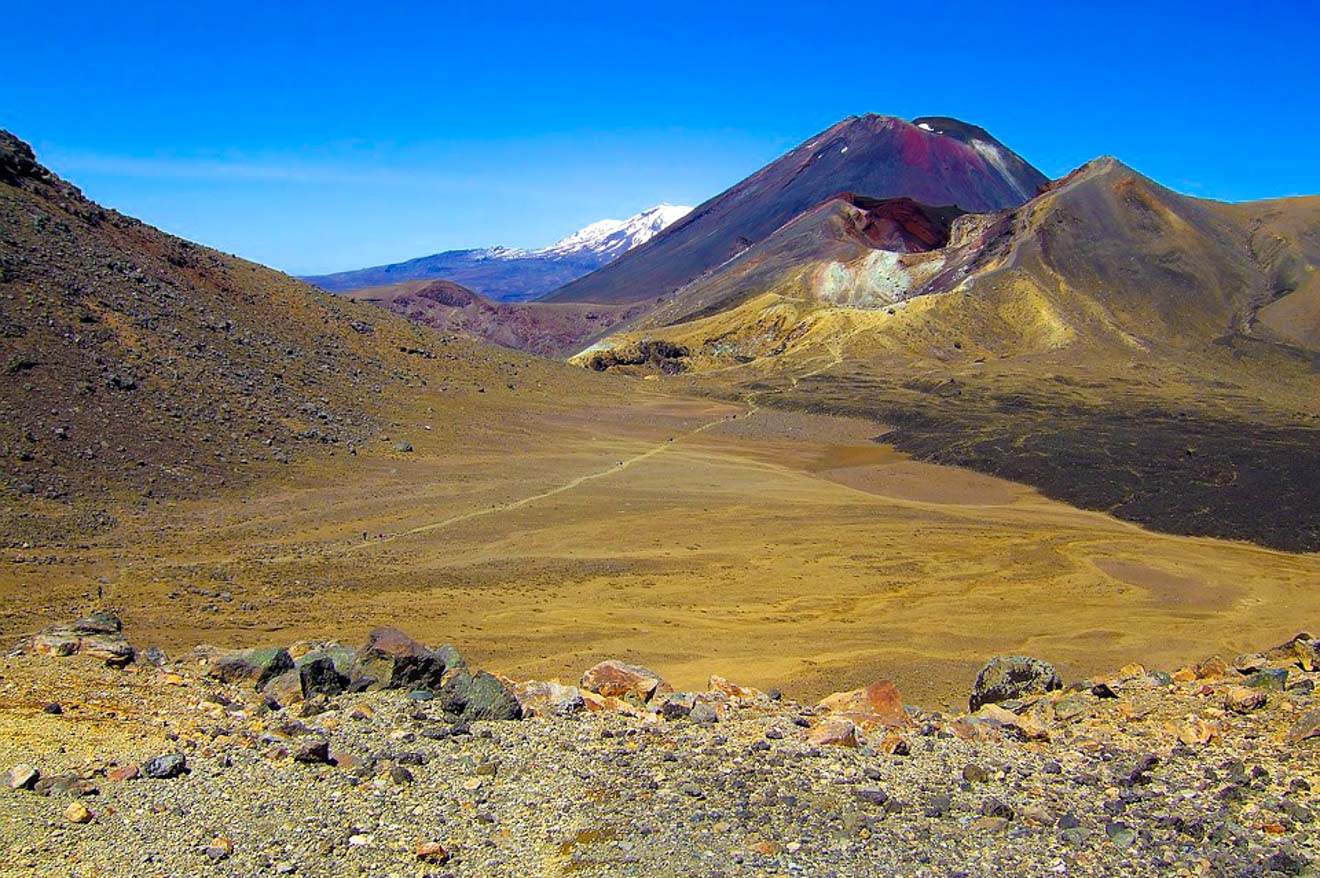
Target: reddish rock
(834, 731)
(123, 773)
(432, 852)
(614, 679)
(877, 705)
(723, 687)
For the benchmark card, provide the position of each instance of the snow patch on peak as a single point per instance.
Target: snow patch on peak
(995, 157)
(609, 238)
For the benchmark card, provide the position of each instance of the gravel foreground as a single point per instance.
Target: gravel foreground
(165, 770)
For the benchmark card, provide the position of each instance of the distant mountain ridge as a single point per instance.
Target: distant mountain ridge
(513, 274)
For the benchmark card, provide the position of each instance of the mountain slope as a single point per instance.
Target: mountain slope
(544, 328)
(1118, 345)
(934, 162)
(507, 274)
(135, 362)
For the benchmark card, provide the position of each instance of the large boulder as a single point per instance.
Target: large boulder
(98, 636)
(391, 659)
(615, 679)
(257, 666)
(478, 696)
(1008, 677)
(877, 705)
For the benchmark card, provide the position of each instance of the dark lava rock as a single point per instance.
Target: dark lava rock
(165, 767)
(319, 676)
(996, 808)
(258, 666)
(1006, 677)
(313, 752)
(393, 660)
(478, 696)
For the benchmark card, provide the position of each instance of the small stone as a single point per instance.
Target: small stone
(123, 773)
(973, 773)
(873, 795)
(165, 767)
(432, 852)
(1240, 699)
(220, 849)
(316, 752)
(23, 777)
(54, 709)
(996, 808)
(690, 789)
(834, 731)
(400, 775)
(1119, 833)
(1307, 726)
(877, 705)
(703, 713)
(990, 824)
(1074, 836)
(77, 813)
(1269, 678)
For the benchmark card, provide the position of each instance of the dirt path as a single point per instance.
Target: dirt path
(619, 467)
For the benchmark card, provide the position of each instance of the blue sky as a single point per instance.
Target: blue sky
(323, 136)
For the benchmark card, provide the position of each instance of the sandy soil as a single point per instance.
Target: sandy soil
(777, 549)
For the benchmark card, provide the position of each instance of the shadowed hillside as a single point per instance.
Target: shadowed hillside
(137, 362)
(1118, 345)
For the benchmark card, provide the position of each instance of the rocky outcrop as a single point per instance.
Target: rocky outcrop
(98, 636)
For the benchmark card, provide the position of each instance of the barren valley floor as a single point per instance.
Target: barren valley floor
(696, 537)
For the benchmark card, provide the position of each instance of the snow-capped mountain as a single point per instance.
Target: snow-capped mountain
(514, 274)
(610, 238)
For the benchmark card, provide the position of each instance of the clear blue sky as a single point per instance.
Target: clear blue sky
(323, 136)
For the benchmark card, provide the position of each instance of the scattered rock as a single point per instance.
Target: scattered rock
(165, 767)
(23, 776)
(1242, 700)
(219, 849)
(703, 712)
(315, 752)
(1307, 726)
(836, 731)
(432, 852)
(77, 813)
(123, 773)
